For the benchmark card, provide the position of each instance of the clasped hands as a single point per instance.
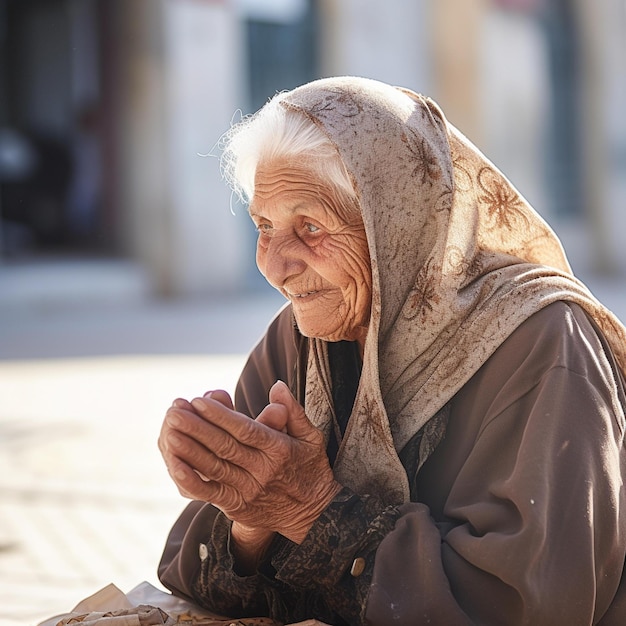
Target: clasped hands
(267, 475)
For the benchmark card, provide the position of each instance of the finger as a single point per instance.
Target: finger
(181, 403)
(178, 419)
(190, 485)
(298, 424)
(170, 423)
(193, 439)
(221, 396)
(188, 462)
(239, 426)
(225, 498)
(275, 416)
(207, 464)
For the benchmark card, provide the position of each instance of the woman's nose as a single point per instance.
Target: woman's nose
(280, 260)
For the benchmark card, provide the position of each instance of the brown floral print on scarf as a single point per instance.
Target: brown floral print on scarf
(374, 428)
(422, 297)
(339, 102)
(459, 265)
(445, 201)
(426, 162)
(532, 248)
(502, 202)
(432, 433)
(463, 180)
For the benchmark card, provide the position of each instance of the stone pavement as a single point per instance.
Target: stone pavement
(85, 378)
(84, 497)
(84, 383)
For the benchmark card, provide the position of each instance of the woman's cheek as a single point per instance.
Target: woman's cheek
(261, 256)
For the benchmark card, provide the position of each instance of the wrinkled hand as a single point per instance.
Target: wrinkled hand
(269, 474)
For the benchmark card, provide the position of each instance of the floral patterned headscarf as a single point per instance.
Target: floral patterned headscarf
(459, 260)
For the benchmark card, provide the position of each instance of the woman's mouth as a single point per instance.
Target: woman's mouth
(301, 295)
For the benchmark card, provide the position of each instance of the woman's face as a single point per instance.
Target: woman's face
(313, 251)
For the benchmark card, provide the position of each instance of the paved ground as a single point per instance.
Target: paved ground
(84, 497)
(85, 378)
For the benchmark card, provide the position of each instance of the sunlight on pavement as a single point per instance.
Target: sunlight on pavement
(85, 499)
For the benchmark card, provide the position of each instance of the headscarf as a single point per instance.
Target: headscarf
(459, 260)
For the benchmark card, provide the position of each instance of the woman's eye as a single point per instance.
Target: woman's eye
(264, 228)
(312, 228)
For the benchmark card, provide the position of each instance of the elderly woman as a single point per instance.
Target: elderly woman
(438, 410)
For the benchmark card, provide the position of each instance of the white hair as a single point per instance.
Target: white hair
(276, 132)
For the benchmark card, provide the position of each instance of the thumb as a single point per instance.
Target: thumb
(298, 424)
(275, 416)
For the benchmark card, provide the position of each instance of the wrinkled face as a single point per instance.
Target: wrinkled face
(313, 251)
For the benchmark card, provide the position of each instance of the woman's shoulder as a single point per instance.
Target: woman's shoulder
(561, 337)
(558, 340)
(561, 333)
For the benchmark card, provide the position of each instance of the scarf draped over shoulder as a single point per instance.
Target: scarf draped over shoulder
(459, 260)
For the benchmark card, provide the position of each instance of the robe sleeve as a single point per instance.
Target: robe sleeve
(527, 521)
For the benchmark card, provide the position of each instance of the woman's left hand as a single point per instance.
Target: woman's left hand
(271, 473)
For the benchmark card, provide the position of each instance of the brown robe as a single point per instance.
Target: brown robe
(517, 517)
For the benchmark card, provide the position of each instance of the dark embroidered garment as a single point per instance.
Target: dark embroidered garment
(310, 580)
(345, 370)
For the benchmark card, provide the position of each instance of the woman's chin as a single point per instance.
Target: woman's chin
(316, 330)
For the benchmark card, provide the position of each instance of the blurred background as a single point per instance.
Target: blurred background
(127, 272)
(109, 108)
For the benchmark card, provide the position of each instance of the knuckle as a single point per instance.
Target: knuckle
(230, 449)
(219, 472)
(235, 502)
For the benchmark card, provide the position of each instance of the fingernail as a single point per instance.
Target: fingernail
(180, 474)
(173, 419)
(208, 394)
(197, 403)
(174, 440)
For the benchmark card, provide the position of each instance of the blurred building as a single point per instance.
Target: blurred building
(110, 111)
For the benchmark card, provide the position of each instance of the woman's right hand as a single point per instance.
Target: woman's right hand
(271, 474)
(249, 544)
